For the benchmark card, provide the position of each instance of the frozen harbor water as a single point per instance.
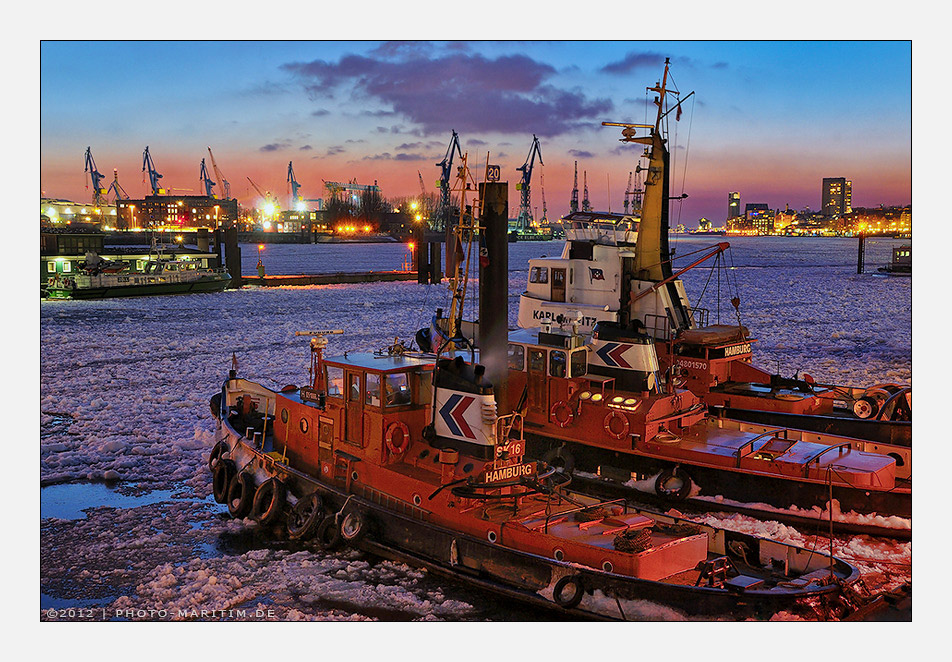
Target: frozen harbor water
(124, 388)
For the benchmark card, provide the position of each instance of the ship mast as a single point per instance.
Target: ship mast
(651, 261)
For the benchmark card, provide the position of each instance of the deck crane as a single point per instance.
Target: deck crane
(206, 181)
(154, 176)
(444, 184)
(293, 187)
(586, 205)
(98, 191)
(573, 205)
(525, 213)
(223, 184)
(116, 187)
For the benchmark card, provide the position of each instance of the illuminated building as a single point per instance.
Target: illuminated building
(836, 196)
(733, 205)
(176, 212)
(760, 218)
(66, 212)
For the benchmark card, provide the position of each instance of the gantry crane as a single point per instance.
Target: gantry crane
(223, 184)
(586, 206)
(98, 191)
(573, 205)
(154, 176)
(206, 181)
(524, 219)
(446, 165)
(116, 187)
(293, 187)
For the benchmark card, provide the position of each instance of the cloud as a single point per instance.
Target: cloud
(581, 154)
(274, 147)
(457, 90)
(633, 60)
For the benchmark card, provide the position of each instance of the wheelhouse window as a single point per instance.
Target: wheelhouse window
(516, 357)
(539, 275)
(579, 363)
(372, 396)
(354, 388)
(397, 389)
(557, 363)
(335, 382)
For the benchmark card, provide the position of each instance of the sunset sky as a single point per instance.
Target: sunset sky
(768, 119)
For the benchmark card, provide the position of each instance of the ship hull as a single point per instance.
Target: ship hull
(737, 485)
(150, 289)
(894, 433)
(399, 530)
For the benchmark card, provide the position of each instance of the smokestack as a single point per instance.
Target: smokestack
(494, 286)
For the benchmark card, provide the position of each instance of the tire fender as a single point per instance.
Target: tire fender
(269, 501)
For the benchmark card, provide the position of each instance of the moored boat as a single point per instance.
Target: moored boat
(404, 457)
(618, 268)
(160, 275)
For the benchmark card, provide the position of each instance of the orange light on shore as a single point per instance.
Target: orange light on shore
(411, 245)
(260, 247)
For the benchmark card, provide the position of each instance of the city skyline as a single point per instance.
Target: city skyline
(763, 120)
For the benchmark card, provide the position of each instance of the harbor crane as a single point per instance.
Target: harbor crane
(293, 187)
(524, 219)
(628, 194)
(99, 192)
(206, 181)
(223, 184)
(545, 218)
(444, 185)
(586, 205)
(116, 187)
(573, 205)
(154, 176)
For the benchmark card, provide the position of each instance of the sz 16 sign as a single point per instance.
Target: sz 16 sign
(511, 450)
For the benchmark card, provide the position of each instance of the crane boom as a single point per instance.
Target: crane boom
(94, 174)
(446, 166)
(293, 186)
(525, 213)
(206, 181)
(116, 187)
(154, 176)
(223, 184)
(573, 205)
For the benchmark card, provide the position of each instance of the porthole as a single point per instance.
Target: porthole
(304, 425)
(467, 467)
(353, 475)
(607, 566)
(424, 453)
(559, 555)
(284, 415)
(417, 500)
(491, 536)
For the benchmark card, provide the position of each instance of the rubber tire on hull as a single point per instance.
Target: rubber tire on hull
(353, 527)
(305, 517)
(574, 598)
(269, 501)
(679, 494)
(225, 470)
(328, 533)
(241, 494)
(218, 450)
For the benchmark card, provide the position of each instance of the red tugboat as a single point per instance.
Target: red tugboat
(405, 456)
(617, 268)
(609, 401)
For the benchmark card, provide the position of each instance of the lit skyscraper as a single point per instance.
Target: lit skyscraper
(837, 196)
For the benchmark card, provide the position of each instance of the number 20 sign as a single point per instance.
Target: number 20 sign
(492, 173)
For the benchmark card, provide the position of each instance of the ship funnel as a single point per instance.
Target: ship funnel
(464, 409)
(627, 354)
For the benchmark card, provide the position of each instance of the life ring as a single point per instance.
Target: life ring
(575, 591)
(562, 414)
(306, 515)
(241, 492)
(392, 429)
(562, 457)
(269, 501)
(328, 533)
(678, 491)
(353, 527)
(615, 415)
(221, 478)
(217, 451)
